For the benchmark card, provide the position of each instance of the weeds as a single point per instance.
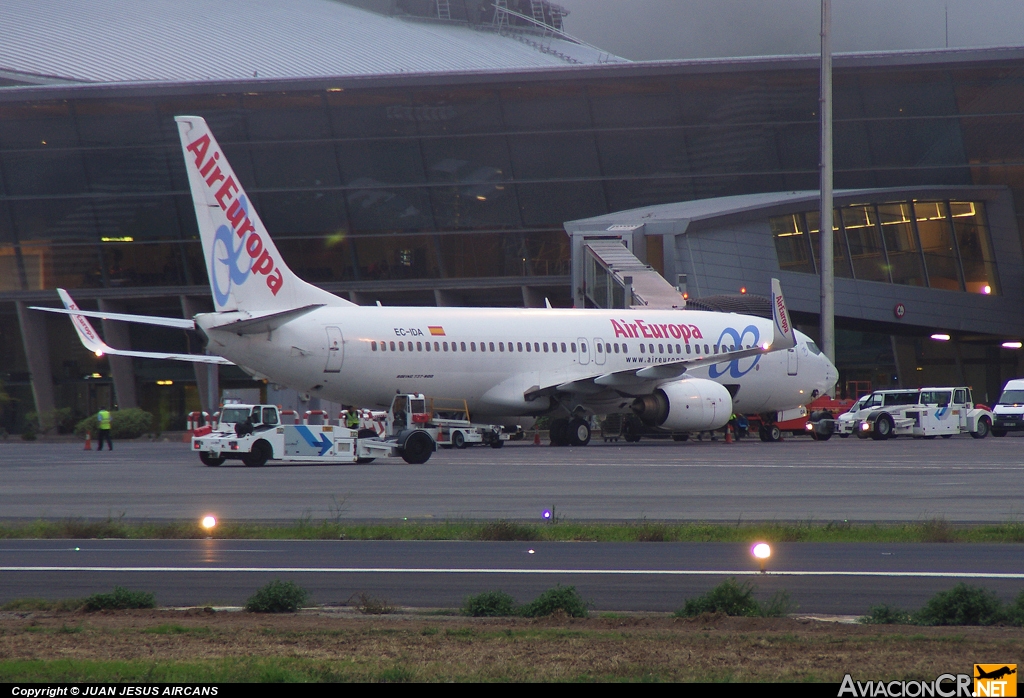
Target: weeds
(489, 603)
(32, 604)
(884, 614)
(506, 530)
(735, 599)
(962, 605)
(277, 597)
(119, 599)
(374, 606)
(559, 598)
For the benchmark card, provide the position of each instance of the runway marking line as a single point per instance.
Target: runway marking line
(469, 570)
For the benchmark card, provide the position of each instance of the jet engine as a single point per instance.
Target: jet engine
(691, 404)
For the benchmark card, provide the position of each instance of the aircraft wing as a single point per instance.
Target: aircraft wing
(643, 378)
(178, 323)
(91, 340)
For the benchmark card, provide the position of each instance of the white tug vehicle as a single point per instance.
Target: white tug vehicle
(922, 413)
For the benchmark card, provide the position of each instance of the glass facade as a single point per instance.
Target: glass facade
(938, 244)
(428, 178)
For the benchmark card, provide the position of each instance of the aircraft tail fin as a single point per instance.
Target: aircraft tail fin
(784, 335)
(246, 269)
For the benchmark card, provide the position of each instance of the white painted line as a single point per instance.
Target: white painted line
(472, 570)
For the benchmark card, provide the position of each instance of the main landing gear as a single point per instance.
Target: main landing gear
(570, 432)
(769, 432)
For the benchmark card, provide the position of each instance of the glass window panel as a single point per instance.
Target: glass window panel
(466, 110)
(54, 219)
(627, 193)
(396, 257)
(136, 218)
(142, 265)
(555, 105)
(376, 113)
(936, 236)
(389, 208)
(552, 203)
(6, 231)
(10, 274)
(791, 243)
(634, 102)
(128, 170)
(376, 162)
(319, 260)
(905, 264)
(44, 173)
(320, 213)
(553, 156)
(291, 116)
(975, 246)
(37, 125)
(477, 170)
(294, 165)
(865, 242)
(631, 153)
(223, 114)
(474, 255)
(117, 122)
(840, 263)
(66, 266)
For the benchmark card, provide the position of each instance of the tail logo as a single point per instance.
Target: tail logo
(782, 321)
(237, 211)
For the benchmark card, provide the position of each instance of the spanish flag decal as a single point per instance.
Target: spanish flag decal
(436, 330)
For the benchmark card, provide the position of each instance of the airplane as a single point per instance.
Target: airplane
(677, 370)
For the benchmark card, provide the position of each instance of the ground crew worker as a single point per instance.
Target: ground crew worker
(352, 418)
(103, 417)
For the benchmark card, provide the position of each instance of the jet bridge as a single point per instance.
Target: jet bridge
(613, 277)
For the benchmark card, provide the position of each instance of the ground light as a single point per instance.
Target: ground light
(208, 522)
(939, 337)
(762, 551)
(1012, 345)
(546, 515)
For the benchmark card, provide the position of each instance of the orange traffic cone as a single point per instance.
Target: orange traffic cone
(728, 434)
(536, 438)
(88, 441)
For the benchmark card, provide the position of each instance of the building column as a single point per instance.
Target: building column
(207, 375)
(447, 299)
(532, 298)
(122, 368)
(37, 351)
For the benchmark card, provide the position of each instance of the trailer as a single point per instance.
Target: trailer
(449, 417)
(255, 435)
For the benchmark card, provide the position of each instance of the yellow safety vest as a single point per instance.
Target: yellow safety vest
(104, 417)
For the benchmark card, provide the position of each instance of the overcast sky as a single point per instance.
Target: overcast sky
(666, 29)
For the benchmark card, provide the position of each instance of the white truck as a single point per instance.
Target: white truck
(892, 401)
(1008, 414)
(944, 411)
(254, 434)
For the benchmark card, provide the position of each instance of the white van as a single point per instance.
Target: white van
(1008, 414)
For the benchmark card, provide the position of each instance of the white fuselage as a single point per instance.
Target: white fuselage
(365, 355)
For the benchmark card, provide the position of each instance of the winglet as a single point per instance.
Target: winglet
(83, 327)
(783, 334)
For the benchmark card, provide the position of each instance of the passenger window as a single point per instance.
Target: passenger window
(501, 346)
(392, 346)
(419, 346)
(269, 416)
(563, 347)
(490, 345)
(669, 348)
(519, 345)
(401, 346)
(642, 349)
(607, 348)
(463, 346)
(554, 347)
(527, 346)
(714, 348)
(536, 346)
(572, 345)
(427, 345)
(445, 345)
(687, 348)
(437, 347)
(583, 347)
(545, 347)
(373, 346)
(650, 348)
(706, 350)
(472, 346)
(625, 349)
(661, 348)
(616, 345)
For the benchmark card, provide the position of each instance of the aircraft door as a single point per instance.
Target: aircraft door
(598, 351)
(793, 361)
(584, 347)
(335, 350)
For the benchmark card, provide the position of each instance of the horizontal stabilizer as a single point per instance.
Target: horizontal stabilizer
(177, 323)
(91, 340)
(264, 323)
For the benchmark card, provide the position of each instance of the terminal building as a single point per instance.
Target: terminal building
(450, 152)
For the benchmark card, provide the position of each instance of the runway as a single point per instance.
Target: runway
(820, 578)
(960, 479)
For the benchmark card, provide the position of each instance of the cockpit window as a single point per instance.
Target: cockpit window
(813, 347)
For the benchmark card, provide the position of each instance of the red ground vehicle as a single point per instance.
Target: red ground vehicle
(823, 406)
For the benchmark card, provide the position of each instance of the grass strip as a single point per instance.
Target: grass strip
(932, 531)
